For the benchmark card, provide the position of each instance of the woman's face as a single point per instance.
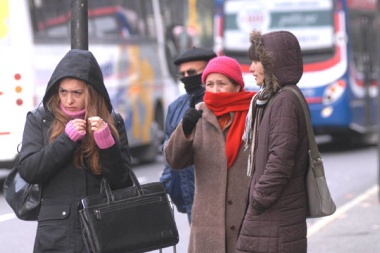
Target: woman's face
(72, 94)
(216, 83)
(258, 72)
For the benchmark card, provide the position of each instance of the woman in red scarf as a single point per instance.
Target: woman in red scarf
(210, 137)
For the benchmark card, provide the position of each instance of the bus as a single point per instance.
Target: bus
(16, 88)
(339, 42)
(133, 45)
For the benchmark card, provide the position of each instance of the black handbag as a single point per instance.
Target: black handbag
(23, 198)
(134, 219)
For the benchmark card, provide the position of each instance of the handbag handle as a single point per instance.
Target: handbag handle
(105, 187)
(314, 152)
(136, 182)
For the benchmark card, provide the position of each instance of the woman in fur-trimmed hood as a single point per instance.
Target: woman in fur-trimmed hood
(276, 135)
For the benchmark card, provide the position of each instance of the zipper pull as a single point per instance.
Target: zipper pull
(97, 214)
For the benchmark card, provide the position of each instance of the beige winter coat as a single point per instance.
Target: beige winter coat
(220, 193)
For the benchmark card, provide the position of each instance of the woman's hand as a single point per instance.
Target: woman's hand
(79, 125)
(76, 129)
(191, 117)
(96, 123)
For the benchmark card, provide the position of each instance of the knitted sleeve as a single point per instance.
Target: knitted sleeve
(104, 138)
(74, 134)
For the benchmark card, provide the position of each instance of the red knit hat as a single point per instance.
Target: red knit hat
(226, 66)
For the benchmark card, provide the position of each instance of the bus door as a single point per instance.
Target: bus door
(363, 45)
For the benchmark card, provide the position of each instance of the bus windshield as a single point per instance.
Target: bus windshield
(311, 21)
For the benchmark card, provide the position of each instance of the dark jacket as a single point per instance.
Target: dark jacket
(275, 220)
(50, 164)
(180, 184)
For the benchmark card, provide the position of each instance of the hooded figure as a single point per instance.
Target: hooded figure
(68, 145)
(82, 65)
(276, 135)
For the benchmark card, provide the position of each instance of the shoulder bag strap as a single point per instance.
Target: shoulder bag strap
(310, 133)
(270, 101)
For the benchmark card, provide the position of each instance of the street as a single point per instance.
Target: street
(17, 236)
(350, 172)
(135, 72)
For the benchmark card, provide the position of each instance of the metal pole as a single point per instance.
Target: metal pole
(377, 24)
(378, 110)
(79, 24)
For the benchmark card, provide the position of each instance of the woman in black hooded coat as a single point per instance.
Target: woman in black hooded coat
(68, 145)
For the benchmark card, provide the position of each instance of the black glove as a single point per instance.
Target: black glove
(191, 117)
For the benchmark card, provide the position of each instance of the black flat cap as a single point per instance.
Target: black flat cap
(195, 54)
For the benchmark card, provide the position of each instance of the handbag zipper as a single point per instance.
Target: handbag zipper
(116, 207)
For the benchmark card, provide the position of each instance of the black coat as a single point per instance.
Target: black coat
(63, 185)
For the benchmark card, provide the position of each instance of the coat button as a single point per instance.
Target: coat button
(229, 202)
(232, 227)
(63, 213)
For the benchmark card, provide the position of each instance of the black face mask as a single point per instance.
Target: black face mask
(192, 83)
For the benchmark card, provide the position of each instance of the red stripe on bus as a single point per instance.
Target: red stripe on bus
(323, 65)
(331, 62)
(245, 67)
(361, 82)
(318, 66)
(5, 133)
(337, 23)
(313, 100)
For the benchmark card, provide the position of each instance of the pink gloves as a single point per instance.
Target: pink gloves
(103, 138)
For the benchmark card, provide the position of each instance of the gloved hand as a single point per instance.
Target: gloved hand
(191, 117)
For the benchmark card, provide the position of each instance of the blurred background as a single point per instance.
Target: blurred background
(135, 42)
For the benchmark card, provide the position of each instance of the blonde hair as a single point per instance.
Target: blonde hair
(88, 151)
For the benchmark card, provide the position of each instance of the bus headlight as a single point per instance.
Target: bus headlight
(327, 111)
(333, 92)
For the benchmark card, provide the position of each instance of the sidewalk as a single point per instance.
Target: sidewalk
(353, 228)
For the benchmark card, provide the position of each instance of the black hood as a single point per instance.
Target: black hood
(82, 65)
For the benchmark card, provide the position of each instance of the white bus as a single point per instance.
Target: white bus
(130, 41)
(16, 77)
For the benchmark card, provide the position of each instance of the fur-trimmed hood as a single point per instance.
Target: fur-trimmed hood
(280, 54)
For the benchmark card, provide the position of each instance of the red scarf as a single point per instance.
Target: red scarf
(222, 103)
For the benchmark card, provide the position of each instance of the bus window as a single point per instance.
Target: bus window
(311, 22)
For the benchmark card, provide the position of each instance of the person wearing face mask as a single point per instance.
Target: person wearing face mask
(180, 184)
(210, 137)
